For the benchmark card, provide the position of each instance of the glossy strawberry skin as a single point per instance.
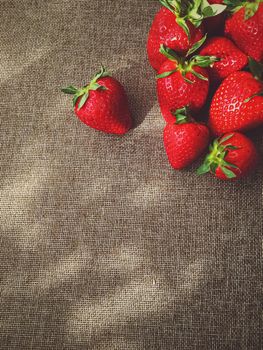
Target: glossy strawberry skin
(247, 34)
(245, 157)
(231, 58)
(229, 111)
(184, 143)
(165, 30)
(106, 110)
(174, 92)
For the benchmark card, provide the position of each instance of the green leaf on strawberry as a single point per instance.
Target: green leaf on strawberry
(211, 10)
(182, 23)
(204, 61)
(196, 46)
(204, 168)
(184, 65)
(166, 74)
(208, 11)
(250, 7)
(83, 100)
(194, 11)
(71, 90)
(198, 75)
(224, 139)
(75, 99)
(169, 53)
(182, 115)
(229, 174)
(83, 93)
(216, 158)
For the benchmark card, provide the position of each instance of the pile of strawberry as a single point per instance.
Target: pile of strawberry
(192, 67)
(208, 57)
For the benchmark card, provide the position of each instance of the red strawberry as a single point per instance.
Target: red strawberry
(178, 26)
(181, 82)
(245, 26)
(184, 140)
(231, 157)
(237, 104)
(231, 58)
(102, 104)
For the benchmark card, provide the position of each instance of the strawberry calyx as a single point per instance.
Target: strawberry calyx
(182, 115)
(84, 91)
(216, 158)
(194, 11)
(250, 7)
(185, 64)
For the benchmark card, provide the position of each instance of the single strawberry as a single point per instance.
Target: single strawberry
(245, 26)
(102, 104)
(184, 140)
(215, 25)
(231, 58)
(182, 81)
(237, 104)
(231, 157)
(178, 25)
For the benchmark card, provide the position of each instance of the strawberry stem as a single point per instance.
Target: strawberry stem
(250, 7)
(169, 54)
(196, 46)
(194, 11)
(216, 158)
(187, 66)
(83, 93)
(182, 115)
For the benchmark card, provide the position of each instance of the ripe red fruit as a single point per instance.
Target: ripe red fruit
(231, 157)
(165, 30)
(237, 104)
(102, 104)
(178, 26)
(245, 27)
(231, 58)
(184, 140)
(182, 82)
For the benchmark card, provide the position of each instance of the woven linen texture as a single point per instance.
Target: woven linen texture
(103, 245)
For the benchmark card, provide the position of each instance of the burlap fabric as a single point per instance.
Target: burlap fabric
(103, 245)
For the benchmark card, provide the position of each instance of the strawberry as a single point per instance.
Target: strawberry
(245, 26)
(102, 104)
(231, 58)
(182, 82)
(178, 25)
(231, 157)
(184, 140)
(237, 104)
